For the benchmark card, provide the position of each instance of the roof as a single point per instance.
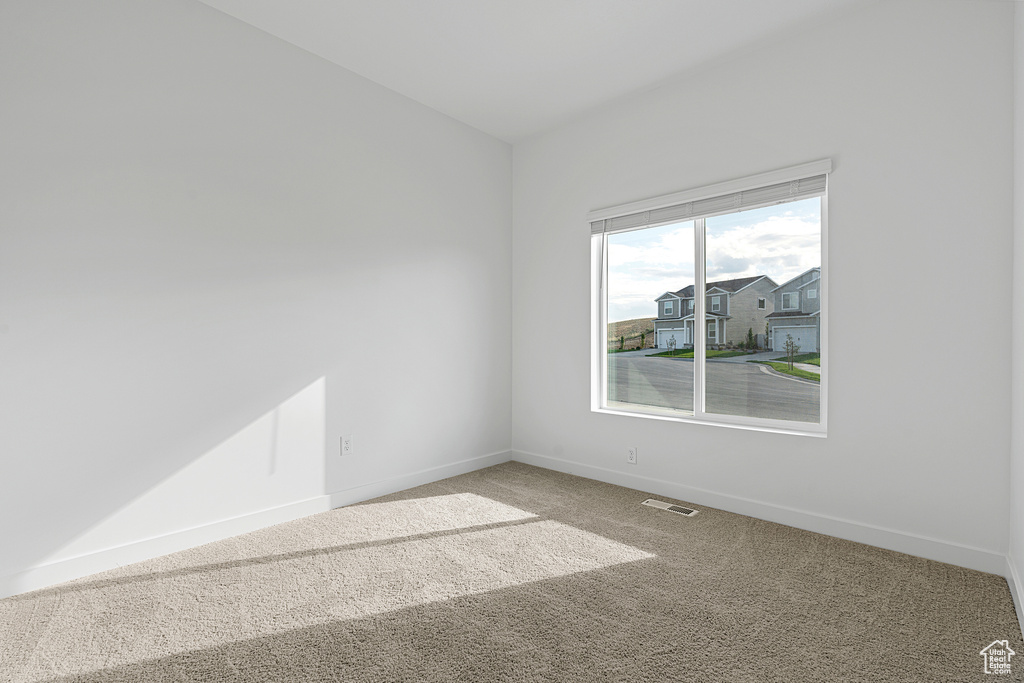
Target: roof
(725, 285)
(810, 282)
(809, 270)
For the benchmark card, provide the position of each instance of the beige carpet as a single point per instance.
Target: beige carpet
(515, 573)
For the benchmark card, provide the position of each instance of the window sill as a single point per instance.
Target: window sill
(729, 421)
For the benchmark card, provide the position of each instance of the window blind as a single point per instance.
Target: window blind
(715, 200)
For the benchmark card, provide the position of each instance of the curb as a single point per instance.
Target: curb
(772, 371)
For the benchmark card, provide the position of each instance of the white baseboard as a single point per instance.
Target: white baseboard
(45, 575)
(890, 539)
(1013, 578)
(407, 481)
(42, 576)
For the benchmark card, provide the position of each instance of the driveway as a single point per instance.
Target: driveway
(734, 387)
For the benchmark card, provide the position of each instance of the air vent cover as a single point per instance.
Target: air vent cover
(678, 509)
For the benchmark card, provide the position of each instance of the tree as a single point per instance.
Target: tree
(622, 343)
(643, 340)
(791, 350)
(751, 344)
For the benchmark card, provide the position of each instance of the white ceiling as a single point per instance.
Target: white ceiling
(513, 68)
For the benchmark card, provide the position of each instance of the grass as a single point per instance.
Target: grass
(688, 353)
(623, 350)
(784, 369)
(812, 358)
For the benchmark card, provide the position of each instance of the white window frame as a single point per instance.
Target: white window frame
(668, 308)
(716, 303)
(602, 223)
(712, 328)
(795, 297)
(812, 294)
(762, 303)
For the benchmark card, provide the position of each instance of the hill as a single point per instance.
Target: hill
(631, 330)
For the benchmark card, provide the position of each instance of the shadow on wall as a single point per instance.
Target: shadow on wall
(275, 460)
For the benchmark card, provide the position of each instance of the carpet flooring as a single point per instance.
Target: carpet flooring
(515, 573)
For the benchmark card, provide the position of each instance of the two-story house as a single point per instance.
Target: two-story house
(732, 308)
(797, 313)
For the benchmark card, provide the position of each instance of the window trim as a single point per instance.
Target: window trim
(783, 302)
(667, 305)
(599, 225)
(762, 303)
(716, 303)
(812, 293)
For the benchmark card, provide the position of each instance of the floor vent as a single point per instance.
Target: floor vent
(678, 509)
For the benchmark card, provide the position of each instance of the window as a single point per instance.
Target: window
(812, 294)
(766, 232)
(668, 308)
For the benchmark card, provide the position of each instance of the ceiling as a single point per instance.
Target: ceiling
(515, 68)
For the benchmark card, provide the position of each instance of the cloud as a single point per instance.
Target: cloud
(780, 247)
(644, 264)
(726, 263)
(667, 246)
(666, 273)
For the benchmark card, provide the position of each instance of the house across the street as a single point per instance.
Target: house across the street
(732, 309)
(797, 312)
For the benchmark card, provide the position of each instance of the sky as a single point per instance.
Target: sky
(779, 241)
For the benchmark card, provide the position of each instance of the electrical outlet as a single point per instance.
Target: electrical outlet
(631, 455)
(346, 445)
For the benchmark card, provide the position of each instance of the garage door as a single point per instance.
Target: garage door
(804, 337)
(664, 335)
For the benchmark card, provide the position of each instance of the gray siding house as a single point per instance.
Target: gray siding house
(732, 308)
(797, 313)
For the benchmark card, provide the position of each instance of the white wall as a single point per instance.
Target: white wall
(1017, 349)
(219, 253)
(912, 101)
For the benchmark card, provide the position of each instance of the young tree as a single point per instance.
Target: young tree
(643, 340)
(751, 344)
(622, 342)
(791, 350)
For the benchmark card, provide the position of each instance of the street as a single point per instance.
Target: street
(733, 388)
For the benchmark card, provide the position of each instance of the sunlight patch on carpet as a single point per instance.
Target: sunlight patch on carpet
(349, 563)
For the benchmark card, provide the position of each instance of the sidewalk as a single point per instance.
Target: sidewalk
(767, 355)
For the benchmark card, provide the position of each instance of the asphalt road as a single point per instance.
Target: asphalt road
(732, 388)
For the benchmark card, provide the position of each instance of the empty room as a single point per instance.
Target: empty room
(352, 340)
